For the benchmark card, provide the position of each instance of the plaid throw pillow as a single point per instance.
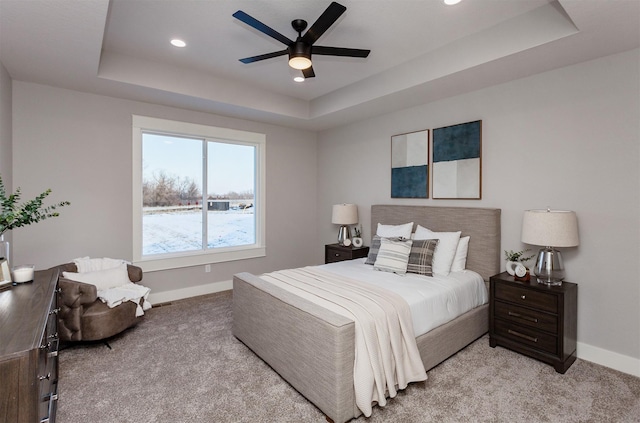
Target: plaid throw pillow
(421, 257)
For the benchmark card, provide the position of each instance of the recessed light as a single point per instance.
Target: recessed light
(178, 43)
(451, 2)
(298, 79)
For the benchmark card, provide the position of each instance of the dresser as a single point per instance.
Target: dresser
(534, 319)
(337, 252)
(29, 350)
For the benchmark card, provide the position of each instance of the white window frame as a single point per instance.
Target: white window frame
(143, 124)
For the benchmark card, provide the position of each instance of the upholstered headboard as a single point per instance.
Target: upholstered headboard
(481, 224)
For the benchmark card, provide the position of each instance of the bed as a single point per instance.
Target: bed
(312, 348)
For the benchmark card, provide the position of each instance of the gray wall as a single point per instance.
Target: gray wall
(567, 139)
(5, 124)
(79, 145)
(6, 168)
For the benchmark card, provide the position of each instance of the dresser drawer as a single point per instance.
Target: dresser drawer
(527, 317)
(526, 336)
(527, 297)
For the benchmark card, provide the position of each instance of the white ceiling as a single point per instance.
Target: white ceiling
(421, 51)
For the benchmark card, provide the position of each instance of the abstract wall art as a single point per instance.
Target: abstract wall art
(457, 166)
(410, 165)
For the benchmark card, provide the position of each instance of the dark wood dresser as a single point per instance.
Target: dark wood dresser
(337, 252)
(29, 350)
(534, 319)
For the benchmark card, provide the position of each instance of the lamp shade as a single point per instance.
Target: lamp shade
(551, 228)
(344, 214)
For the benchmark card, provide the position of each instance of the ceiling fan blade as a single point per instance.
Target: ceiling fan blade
(323, 23)
(253, 22)
(308, 72)
(264, 56)
(339, 51)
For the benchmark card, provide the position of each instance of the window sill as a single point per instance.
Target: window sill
(197, 259)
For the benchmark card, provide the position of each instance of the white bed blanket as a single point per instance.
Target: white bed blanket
(129, 292)
(433, 301)
(386, 355)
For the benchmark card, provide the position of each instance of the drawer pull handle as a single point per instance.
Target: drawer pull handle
(54, 336)
(54, 311)
(524, 297)
(531, 319)
(527, 337)
(337, 254)
(47, 346)
(47, 377)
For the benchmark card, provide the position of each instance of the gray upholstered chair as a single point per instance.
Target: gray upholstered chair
(84, 317)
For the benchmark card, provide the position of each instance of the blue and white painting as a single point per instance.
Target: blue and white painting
(457, 161)
(409, 165)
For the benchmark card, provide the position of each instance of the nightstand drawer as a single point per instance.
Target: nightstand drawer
(527, 317)
(527, 297)
(336, 252)
(334, 255)
(527, 336)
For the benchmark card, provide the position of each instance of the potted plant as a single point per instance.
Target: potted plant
(357, 238)
(15, 214)
(517, 258)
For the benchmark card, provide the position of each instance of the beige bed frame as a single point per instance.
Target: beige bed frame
(313, 348)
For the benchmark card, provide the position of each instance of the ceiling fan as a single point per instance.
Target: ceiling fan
(302, 48)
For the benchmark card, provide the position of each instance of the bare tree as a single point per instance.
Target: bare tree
(163, 189)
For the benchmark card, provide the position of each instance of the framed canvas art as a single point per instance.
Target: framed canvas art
(457, 166)
(410, 165)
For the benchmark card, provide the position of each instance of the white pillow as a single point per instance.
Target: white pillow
(445, 250)
(395, 231)
(102, 279)
(393, 256)
(460, 259)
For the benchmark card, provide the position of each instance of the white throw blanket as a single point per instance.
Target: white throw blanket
(386, 356)
(129, 292)
(116, 295)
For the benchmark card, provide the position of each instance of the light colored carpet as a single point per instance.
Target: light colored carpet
(181, 364)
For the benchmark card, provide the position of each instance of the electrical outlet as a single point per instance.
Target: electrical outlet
(207, 268)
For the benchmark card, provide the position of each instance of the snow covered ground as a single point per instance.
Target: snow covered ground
(178, 231)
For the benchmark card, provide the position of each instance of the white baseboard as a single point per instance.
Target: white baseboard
(587, 352)
(613, 360)
(194, 291)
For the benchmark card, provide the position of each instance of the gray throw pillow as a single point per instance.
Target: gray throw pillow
(421, 257)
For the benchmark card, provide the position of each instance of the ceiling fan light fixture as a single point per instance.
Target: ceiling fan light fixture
(299, 62)
(300, 56)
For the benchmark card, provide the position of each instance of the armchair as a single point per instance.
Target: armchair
(83, 316)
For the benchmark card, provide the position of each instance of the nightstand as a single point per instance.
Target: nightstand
(534, 319)
(337, 252)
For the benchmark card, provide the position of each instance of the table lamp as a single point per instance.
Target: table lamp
(344, 214)
(550, 228)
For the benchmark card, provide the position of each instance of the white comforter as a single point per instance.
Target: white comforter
(434, 300)
(386, 355)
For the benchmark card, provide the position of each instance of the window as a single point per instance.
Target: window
(198, 194)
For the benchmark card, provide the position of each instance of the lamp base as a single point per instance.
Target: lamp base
(549, 267)
(343, 233)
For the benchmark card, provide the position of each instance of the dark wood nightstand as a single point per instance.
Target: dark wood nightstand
(534, 319)
(337, 252)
